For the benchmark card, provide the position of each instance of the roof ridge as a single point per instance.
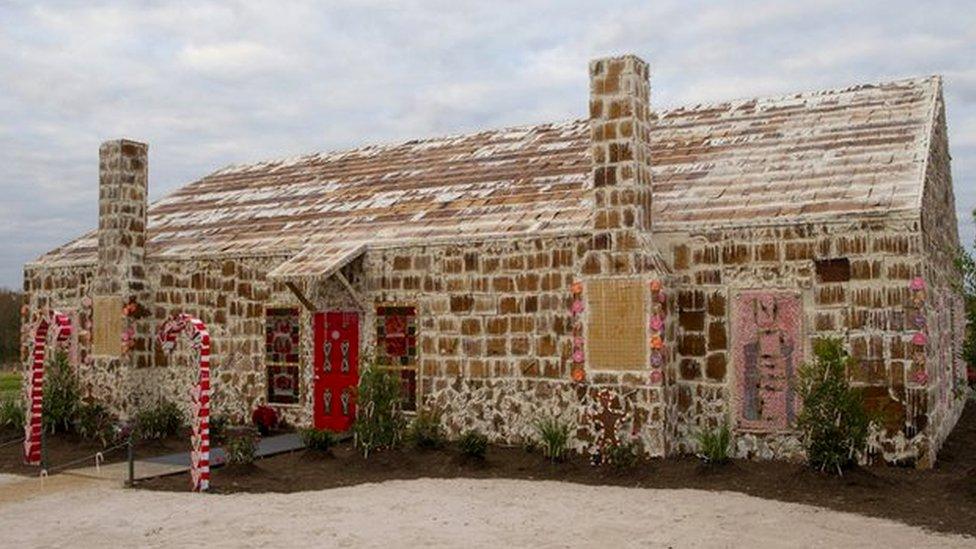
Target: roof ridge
(389, 145)
(803, 94)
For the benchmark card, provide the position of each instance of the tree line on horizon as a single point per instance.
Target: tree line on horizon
(10, 303)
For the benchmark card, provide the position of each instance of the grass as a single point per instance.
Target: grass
(9, 385)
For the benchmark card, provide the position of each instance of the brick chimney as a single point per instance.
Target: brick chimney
(122, 194)
(620, 147)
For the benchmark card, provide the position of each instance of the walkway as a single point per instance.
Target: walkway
(172, 464)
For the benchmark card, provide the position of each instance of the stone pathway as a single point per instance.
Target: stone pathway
(179, 462)
(268, 446)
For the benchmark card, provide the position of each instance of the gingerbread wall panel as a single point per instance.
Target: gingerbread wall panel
(616, 334)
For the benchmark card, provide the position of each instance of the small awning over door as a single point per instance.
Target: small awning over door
(317, 261)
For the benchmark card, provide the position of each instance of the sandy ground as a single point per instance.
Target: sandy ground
(440, 513)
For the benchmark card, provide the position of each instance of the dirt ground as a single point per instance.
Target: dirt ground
(942, 499)
(440, 513)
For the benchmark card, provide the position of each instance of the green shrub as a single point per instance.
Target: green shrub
(218, 428)
(160, 421)
(626, 455)
(425, 431)
(833, 422)
(95, 422)
(241, 447)
(554, 434)
(61, 396)
(12, 415)
(473, 445)
(713, 444)
(317, 440)
(966, 283)
(10, 384)
(379, 419)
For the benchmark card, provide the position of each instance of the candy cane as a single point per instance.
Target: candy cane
(199, 337)
(32, 430)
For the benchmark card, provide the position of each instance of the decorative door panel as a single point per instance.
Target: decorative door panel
(768, 349)
(336, 340)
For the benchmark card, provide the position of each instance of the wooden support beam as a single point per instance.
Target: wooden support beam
(355, 295)
(301, 296)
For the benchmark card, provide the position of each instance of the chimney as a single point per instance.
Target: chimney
(620, 148)
(122, 194)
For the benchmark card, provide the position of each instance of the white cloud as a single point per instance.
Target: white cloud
(237, 58)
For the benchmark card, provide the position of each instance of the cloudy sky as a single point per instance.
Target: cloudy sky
(208, 84)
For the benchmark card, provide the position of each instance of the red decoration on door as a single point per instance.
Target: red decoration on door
(336, 360)
(32, 431)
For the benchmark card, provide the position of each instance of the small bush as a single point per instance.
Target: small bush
(379, 419)
(12, 415)
(95, 422)
(265, 418)
(316, 440)
(61, 396)
(241, 447)
(425, 431)
(833, 422)
(626, 455)
(713, 444)
(473, 445)
(218, 428)
(554, 434)
(160, 421)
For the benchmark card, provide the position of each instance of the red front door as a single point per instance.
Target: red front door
(336, 369)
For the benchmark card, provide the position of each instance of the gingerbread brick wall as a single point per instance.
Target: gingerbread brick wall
(495, 335)
(496, 338)
(944, 306)
(872, 310)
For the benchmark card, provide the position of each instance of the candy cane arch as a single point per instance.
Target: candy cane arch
(200, 394)
(61, 325)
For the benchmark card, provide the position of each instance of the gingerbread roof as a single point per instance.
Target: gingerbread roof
(822, 155)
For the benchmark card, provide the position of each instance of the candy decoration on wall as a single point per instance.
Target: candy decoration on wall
(656, 328)
(579, 356)
(60, 324)
(131, 312)
(199, 337)
(84, 326)
(608, 416)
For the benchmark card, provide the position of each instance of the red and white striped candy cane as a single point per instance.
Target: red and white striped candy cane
(199, 337)
(61, 325)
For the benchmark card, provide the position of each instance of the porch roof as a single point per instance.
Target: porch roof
(317, 261)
